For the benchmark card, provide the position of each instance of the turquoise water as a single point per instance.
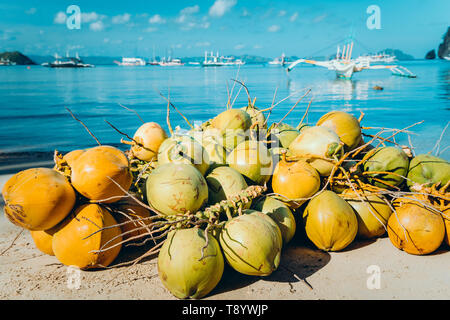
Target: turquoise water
(33, 100)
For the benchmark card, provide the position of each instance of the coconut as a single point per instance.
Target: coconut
(252, 243)
(386, 159)
(38, 198)
(415, 228)
(257, 117)
(132, 217)
(296, 181)
(426, 170)
(43, 240)
(330, 222)
(184, 149)
(187, 267)
(320, 146)
(253, 160)
(149, 136)
(345, 125)
(280, 213)
(176, 188)
(97, 172)
(81, 235)
(283, 134)
(371, 211)
(231, 119)
(223, 184)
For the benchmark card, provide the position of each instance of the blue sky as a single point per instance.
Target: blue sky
(188, 28)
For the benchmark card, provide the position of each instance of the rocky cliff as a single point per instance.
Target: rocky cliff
(444, 47)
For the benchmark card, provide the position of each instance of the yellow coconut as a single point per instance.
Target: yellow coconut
(330, 222)
(97, 171)
(132, 217)
(415, 228)
(371, 211)
(90, 228)
(38, 198)
(43, 240)
(149, 136)
(295, 180)
(345, 125)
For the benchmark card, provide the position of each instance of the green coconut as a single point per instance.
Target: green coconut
(425, 169)
(320, 146)
(252, 243)
(217, 154)
(280, 213)
(183, 149)
(256, 116)
(283, 134)
(176, 188)
(223, 184)
(182, 268)
(330, 222)
(253, 160)
(386, 159)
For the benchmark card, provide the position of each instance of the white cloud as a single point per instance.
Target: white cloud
(91, 17)
(239, 46)
(203, 44)
(273, 28)
(220, 7)
(31, 11)
(319, 18)
(282, 13)
(121, 18)
(60, 18)
(190, 10)
(186, 13)
(156, 19)
(97, 26)
(293, 17)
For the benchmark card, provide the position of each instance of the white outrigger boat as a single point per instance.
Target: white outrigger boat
(345, 66)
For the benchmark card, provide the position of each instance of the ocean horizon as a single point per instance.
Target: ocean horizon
(33, 101)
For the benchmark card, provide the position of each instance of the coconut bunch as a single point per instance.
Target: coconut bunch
(233, 190)
(78, 211)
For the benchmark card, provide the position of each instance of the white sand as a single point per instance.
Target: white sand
(25, 273)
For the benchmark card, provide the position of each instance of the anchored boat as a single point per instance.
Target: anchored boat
(345, 66)
(67, 62)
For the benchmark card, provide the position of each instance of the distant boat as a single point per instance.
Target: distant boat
(170, 62)
(212, 60)
(279, 61)
(131, 62)
(344, 66)
(447, 58)
(379, 57)
(67, 62)
(6, 62)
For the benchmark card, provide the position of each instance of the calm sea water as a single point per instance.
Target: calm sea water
(33, 100)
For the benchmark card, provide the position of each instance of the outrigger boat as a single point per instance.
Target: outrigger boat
(345, 66)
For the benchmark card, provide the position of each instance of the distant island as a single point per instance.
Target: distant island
(17, 57)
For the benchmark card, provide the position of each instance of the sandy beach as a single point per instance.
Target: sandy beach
(304, 273)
